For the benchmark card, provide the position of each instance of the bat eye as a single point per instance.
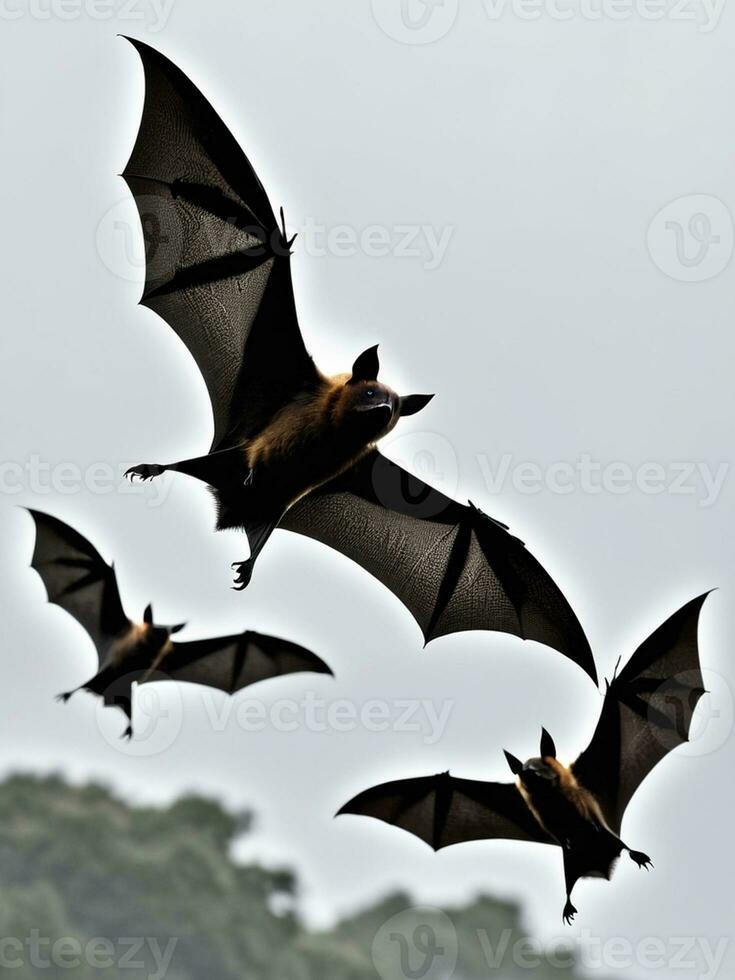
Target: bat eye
(370, 392)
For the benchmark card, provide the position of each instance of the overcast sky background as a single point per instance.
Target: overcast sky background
(549, 329)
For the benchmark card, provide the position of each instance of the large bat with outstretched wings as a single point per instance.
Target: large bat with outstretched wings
(646, 713)
(218, 272)
(78, 580)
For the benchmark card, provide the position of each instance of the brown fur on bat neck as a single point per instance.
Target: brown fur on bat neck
(321, 433)
(312, 439)
(570, 795)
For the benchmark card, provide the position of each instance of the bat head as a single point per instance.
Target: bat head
(157, 635)
(365, 401)
(536, 771)
(379, 405)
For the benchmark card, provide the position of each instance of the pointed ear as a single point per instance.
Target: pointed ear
(366, 366)
(410, 404)
(516, 766)
(148, 614)
(548, 749)
(177, 629)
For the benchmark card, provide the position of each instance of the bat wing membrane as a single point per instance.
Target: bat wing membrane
(217, 265)
(231, 663)
(453, 567)
(79, 580)
(442, 810)
(647, 712)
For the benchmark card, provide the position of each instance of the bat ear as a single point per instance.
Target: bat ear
(548, 749)
(516, 766)
(177, 629)
(410, 404)
(366, 366)
(148, 614)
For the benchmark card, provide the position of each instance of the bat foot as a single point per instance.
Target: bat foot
(642, 860)
(128, 733)
(63, 698)
(244, 572)
(569, 913)
(144, 471)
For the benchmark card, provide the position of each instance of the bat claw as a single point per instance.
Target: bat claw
(63, 698)
(128, 733)
(569, 914)
(144, 471)
(642, 860)
(244, 573)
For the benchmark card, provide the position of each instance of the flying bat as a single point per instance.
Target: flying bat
(646, 713)
(78, 579)
(292, 447)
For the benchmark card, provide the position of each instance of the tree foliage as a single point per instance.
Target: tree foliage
(90, 887)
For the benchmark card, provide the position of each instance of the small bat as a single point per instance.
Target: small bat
(292, 447)
(77, 579)
(646, 713)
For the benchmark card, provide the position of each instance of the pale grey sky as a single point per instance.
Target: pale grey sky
(527, 160)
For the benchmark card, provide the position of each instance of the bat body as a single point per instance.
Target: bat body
(328, 424)
(646, 713)
(292, 447)
(77, 579)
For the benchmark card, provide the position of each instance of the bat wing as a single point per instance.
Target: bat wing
(231, 663)
(451, 565)
(442, 810)
(78, 580)
(217, 264)
(647, 712)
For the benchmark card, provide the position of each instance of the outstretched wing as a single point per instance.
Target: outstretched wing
(78, 580)
(451, 565)
(647, 712)
(442, 810)
(217, 264)
(233, 662)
